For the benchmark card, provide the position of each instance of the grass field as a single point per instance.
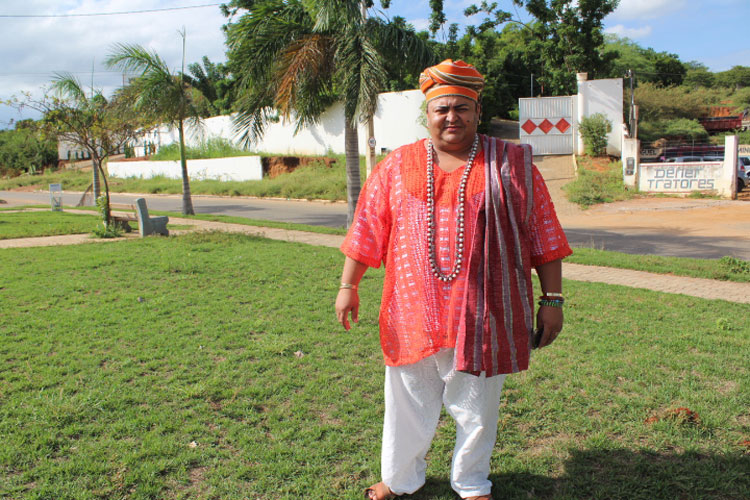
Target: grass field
(44, 223)
(47, 223)
(210, 366)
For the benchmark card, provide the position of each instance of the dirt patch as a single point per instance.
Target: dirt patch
(273, 166)
(597, 163)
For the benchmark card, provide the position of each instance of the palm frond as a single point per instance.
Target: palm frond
(307, 59)
(136, 59)
(69, 87)
(333, 15)
(361, 73)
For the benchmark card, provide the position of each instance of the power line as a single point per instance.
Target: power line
(93, 14)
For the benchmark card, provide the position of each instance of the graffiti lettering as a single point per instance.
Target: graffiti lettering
(680, 179)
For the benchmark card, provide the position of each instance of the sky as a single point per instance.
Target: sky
(34, 49)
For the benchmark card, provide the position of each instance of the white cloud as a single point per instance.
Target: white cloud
(633, 33)
(33, 49)
(647, 9)
(419, 24)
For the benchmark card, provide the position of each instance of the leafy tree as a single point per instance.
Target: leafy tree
(628, 55)
(675, 129)
(665, 103)
(161, 94)
(566, 38)
(298, 57)
(648, 65)
(698, 75)
(93, 123)
(669, 70)
(214, 82)
(27, 148)
(738, 77)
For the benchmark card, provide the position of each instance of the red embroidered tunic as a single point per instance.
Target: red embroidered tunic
(419, 315)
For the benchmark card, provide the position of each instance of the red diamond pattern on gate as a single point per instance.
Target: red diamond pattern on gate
(528, 126)
(546, 126)
(563, 125)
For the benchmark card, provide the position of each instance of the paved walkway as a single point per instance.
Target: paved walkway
(695, 287)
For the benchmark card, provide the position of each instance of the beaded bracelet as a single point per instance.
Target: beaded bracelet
(551, 303)
(552, 294)
(549, 297)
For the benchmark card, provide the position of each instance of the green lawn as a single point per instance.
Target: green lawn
(44, 223)
(210, 366)
(48, 223)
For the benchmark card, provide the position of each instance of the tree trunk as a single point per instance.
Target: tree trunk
(95, 182)
(187, 201)
(351, 140)
(97, 164)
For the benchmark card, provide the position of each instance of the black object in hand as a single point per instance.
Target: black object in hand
(537, 338)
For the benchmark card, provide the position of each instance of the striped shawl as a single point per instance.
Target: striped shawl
(497, 313)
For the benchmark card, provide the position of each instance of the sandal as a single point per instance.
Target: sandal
(379, 491)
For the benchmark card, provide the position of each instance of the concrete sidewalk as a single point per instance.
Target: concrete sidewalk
(695, 287)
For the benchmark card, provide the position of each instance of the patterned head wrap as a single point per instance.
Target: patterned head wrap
(451, 78)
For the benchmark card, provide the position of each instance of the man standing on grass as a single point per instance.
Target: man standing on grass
(459, 220)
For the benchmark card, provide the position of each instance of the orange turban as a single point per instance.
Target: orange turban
(451, 78)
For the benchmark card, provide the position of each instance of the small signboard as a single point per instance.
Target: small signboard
(55, 197)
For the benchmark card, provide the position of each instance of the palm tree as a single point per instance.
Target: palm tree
(160, 92)
(300, 56)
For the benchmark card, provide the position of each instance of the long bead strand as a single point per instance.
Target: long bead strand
(431, 225)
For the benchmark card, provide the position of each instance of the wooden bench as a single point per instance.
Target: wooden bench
(138, 212)
(126, 214)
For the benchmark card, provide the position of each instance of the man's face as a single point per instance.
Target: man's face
(452, 122)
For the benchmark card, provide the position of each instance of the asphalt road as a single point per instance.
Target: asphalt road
(644, 241)
(302, 212)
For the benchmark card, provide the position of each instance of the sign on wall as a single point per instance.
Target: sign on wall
(680, 177)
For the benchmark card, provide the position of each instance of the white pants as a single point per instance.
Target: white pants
(414, 395)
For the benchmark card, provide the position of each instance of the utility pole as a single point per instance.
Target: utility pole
(370, 157)
(531, 93)
(633, 116)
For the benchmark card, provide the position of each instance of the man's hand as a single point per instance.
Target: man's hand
(347, 300)
(551, 320)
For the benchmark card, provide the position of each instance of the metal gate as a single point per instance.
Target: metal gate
(546, 123)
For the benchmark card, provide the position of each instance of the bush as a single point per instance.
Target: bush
(212, 148)
(24, 150)
(594, 186)
(594, 130)
(680, 128)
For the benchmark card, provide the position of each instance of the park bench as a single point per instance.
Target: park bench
(126, 214)
(138, 212)
(150, 225)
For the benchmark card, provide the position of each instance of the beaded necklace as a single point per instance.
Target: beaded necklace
(445, 278)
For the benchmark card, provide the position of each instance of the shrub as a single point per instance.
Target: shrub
(594, 130)
(594, 186)
(680, 128)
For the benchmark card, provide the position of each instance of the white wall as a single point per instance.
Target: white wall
(240, 168)
(603, 96)
(396, 123)
(719, 177)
